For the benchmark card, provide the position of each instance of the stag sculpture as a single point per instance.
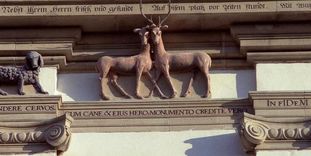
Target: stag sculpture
(166, 62)
(139, 64)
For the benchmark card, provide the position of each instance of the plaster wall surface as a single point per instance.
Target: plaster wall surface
(48, 79)
(33, 154)
(224, 84)
(283, 153)
(182, 143)
(283, 77)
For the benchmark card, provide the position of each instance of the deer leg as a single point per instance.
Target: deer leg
(168, 78)
(158, 74)
(114, 82)
(103, 74)
(156, 86)
(193, 74)
(138, 76)
(102, 84)
(208, 81)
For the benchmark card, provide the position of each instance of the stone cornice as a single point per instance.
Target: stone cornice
(257, 131)
(274, 43)
(54, 132)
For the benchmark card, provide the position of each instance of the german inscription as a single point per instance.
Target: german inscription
(176, 8)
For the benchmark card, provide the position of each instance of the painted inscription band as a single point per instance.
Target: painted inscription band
(156, 113)
(176, 8)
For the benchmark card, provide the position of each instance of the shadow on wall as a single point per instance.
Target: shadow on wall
(220, 145)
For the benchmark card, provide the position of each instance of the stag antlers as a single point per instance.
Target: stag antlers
(150, 19)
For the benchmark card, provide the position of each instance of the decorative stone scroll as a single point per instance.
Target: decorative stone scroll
(257, 131)
(55, 132)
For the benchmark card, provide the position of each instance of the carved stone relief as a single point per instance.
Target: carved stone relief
(151, 42)
(27, 74)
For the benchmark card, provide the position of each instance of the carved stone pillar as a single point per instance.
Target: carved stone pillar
(48, 136)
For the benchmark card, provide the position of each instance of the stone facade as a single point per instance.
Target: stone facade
(259, 79)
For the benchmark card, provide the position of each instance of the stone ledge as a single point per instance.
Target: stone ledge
(274, 43)
(279, 57)
(165, 115)
(136, 115)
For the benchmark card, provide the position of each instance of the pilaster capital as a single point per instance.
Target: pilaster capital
(52, 134)
(263, 133)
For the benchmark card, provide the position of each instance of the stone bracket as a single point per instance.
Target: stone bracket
(55, 132)
(256, 132)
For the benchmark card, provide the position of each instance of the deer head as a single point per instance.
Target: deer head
(143, 34)
(156, 30)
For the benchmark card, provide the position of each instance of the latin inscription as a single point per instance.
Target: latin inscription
(27, 108)
(176, 8)
(161, 113)
(288, 103)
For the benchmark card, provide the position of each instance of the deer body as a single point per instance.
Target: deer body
(165, 62)
(139, 64)
(126, 65)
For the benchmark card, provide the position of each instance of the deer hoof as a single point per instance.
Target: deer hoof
(206, 96)
(185, 94)
(174, 94)
(105, 97)
(139, 96)
(44, 92)
(21, 93)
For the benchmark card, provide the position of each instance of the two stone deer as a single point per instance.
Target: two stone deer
(151, 36)
(139, 64)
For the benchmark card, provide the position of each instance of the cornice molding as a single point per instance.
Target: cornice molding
(274, 43)
(257, 131)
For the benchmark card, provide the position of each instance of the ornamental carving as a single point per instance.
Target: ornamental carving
(257, 130)
(164, 63)
(27, 74)
(55, 132)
